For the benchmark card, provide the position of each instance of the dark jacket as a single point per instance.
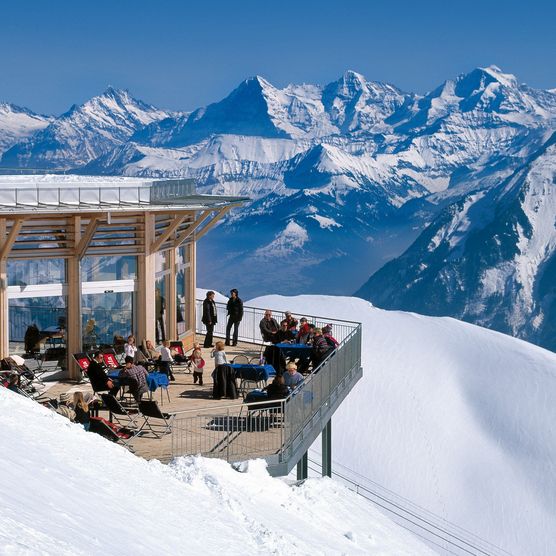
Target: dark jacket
(209, 312)
(97, 376)
(277, 391)
(235, 309)
(283, 336)
(267, 328)
(81, 416)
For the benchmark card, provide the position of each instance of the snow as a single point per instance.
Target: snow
(325, 222)
(64, 491)
(291, 238)
(456, 418)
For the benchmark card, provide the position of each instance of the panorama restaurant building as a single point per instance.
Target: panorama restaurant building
(86, 261)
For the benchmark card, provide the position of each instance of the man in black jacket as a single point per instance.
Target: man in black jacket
(209, 318)
(98, 377)
(235, 314)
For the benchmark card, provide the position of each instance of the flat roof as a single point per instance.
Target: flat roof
(24, 194)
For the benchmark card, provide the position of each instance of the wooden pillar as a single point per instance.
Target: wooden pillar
(192, 287)
(74, 340)
(172, 324)
(4, 329)
(146, 271)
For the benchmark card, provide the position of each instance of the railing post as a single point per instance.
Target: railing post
(303, 467)
(327, 449)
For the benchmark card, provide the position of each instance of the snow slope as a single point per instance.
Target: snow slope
(456, 418)
(18, 124)
(66, 491)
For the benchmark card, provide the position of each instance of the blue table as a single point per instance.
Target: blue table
(252, 372)
(154, 379)
(303, 351)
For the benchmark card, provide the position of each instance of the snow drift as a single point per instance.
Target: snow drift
(456, 418)
(66, 491)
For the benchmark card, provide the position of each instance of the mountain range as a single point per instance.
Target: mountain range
(345, 179)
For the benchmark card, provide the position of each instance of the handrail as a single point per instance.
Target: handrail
(219, 431)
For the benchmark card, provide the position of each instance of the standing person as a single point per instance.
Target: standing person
(130, 349)
(209, 318)
(166, 360)
(235, 314)
(198, 363)
(81, 408)
(268, 326)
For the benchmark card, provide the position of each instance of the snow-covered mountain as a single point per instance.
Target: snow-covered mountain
(68, 492)
(449, 417)
(84, 133)
(489, 258)
(342, 177)
(18, 124)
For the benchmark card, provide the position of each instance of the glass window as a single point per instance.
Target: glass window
(94, 269)
(160, 308)
(161, 261)
(105, 317)
(181, 304)
(182, 255)
(37, 323)
(36, 272)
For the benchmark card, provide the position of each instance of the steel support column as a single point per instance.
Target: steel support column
(327, 449)
(303, 467)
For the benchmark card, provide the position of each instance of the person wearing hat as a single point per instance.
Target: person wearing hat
(304, 332)
(235, 314)
(290, 321)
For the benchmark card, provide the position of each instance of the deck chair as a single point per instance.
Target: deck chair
(150, 410)
(124, 416)
(182, 361)
(111, 431)
(110, 358)
(83, 361)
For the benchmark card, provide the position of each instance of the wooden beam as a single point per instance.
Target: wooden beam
(10, 240)
(87, 237)
(165, 236)
(213, 222)
(191, 228)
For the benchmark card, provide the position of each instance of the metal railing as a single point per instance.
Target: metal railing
(278, 430)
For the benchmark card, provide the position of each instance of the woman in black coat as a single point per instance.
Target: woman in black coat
(235, 314)
(209, 318)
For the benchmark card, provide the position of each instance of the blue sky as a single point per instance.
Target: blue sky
(179, 55)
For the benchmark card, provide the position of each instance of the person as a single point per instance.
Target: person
(277, 389)
(327, 333)
(197, 363)
(292, 378)
(224, 379)
(303, 332)
(137, 378)
(150, 351)
(81, 408)
(284, 335)
(235, 314)
(130, 349)
(209, 318)
(14, 382)
(320, 348)
(64, 407)
(166, 360)
(290, 321)
(268, 326)
(98, 377)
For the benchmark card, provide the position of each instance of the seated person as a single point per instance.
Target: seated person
(97, 375)
(136, 378)
(284, 335)
(320, 350)
(292, 378)
(14, 382)
(277, 389)
(64, 407)
(290, 321)
(327, 333)
(268, 326)
(81, 408)
(150, 351)
(303, 332)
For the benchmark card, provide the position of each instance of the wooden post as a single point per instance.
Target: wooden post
(73, 302)
(4, 329)
(146, 270)
(192, 288)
